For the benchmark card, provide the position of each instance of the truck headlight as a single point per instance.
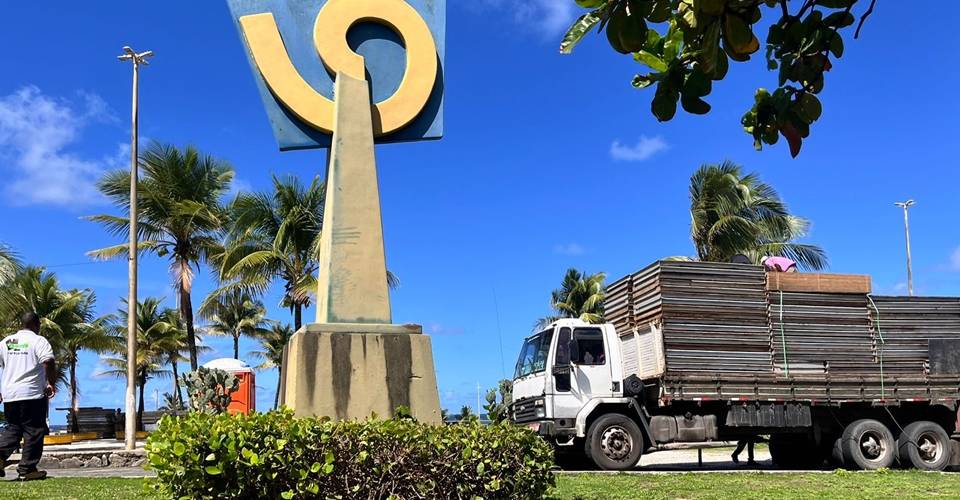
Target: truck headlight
(541, 413)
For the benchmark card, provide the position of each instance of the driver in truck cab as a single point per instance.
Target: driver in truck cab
(594, 354)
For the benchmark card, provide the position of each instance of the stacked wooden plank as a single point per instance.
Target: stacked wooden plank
(904, 326)
(820, 283)
(713, 316)
(827, 334)
(731, 330)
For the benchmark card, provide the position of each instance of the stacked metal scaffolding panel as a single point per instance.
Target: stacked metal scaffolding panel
(904, 326)
(728, 333)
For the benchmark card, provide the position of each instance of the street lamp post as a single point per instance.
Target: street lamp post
(905, 205)
(130, 425)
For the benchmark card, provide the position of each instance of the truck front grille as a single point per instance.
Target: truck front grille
(525, 410)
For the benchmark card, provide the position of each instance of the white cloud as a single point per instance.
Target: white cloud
(569, 249)
(643, 150)
(549, 17)
(238, 186)
(955, 260)
(440, 330)
(36, 134)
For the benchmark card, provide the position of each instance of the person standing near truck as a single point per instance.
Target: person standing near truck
(29, 374)
(747, 443)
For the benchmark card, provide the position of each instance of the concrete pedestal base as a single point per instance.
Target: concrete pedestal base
(350, 371)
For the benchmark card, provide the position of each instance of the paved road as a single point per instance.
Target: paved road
(128, 472)
(673, 461)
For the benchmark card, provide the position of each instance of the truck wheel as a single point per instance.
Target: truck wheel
(614, 442)
(795, 452)
(925, 445)
(867, 445)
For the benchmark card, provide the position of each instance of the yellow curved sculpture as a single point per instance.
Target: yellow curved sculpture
(333, 22)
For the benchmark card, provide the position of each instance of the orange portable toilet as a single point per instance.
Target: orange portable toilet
(244, 399)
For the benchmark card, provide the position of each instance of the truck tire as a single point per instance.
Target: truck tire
(925, 445)
(867, 445)
(795, 452)
(614, 442)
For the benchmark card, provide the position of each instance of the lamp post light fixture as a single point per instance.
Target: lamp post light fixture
(905, 205)
(130, 424)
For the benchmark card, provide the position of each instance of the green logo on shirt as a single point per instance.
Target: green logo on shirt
(13, 345)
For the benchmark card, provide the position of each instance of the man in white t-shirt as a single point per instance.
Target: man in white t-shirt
(27, 382)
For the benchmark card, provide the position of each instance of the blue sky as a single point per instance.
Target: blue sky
(548, 162)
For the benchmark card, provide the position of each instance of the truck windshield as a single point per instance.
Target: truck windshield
(533, 355)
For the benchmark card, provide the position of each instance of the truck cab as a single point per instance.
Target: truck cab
(564, 374)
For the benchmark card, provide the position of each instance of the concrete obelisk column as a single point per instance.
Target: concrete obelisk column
(353, 277)
(353, 362)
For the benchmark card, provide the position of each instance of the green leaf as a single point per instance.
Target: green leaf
(643, 81)
(809, 108)
(697, 84)
(660, 11)
(590, 4)
(179, 448)
(211, 457)
(694, 104)
(711, 7)
(664, 105)
(576, 32)
(315, 468)
(672, 45)
(287, 495)
(836, 45)
(839, 20)
(651, 60)
(738, 33)
(213, 470)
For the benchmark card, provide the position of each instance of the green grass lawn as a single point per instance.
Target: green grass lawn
(73, 488)
(897, 485)
(735, 486)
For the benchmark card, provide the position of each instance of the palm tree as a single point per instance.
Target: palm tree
(84, 331)
(9, 264)
(580, 296)
(273, 342)
(235, 314)
(35, 289)
(9, 268)
(177, 347)
(68, 321)
(156, 337)
(181, 216)
(734, 214)
(276, 236)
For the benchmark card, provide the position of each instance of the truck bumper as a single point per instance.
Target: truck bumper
(550, 429)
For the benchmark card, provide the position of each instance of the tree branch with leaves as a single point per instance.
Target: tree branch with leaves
(693, 41)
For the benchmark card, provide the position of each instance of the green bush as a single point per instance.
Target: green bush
(275, 455)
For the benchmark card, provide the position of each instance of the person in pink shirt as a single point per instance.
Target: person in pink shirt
(780, 264)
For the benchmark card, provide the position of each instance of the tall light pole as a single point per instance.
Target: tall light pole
(130, 425)
(905, 205)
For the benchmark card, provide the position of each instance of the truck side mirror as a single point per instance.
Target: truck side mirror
(574, 348)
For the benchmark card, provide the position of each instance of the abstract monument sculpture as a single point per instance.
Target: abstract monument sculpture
(318, 63)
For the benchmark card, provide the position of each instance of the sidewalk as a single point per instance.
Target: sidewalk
(95, 454)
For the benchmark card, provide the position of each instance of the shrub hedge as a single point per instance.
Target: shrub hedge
(275, 455)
